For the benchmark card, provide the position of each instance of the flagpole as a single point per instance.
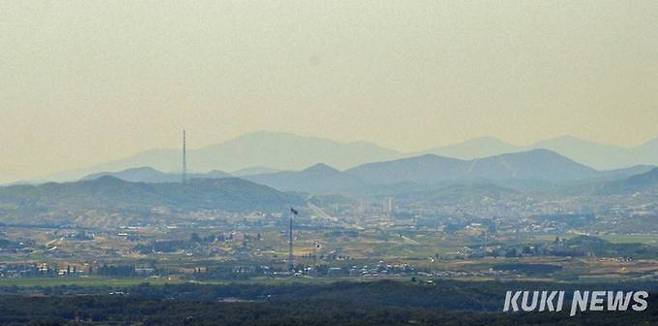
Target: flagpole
(291, 265)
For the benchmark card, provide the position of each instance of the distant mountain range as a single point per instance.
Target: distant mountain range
(598, 156)
(534, 170)
(542, 166)
(539, 165)
(261, 150)
(109, 198)
(271, 152)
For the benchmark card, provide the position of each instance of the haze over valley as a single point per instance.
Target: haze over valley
(300, 162)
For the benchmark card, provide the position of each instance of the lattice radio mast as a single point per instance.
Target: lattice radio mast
(184, 175)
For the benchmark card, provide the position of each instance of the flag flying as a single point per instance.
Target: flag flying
(294, 211)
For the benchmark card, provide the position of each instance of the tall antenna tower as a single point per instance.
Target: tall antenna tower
(184, 175)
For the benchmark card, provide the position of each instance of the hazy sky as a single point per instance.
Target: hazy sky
(83, 82)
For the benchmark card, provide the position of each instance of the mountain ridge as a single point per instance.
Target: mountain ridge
(642, 182)
(319, 178)
(430, 168)
(271, 150)
(277, 151)
(537, 166)
(83, 202)
(151, 175)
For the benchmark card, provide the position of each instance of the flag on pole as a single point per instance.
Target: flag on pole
(294, 211)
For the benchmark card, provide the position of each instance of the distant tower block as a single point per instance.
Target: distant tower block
(184, 172)
(363, 206)
(388, 206)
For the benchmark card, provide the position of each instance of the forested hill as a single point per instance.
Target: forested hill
(28, 203)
